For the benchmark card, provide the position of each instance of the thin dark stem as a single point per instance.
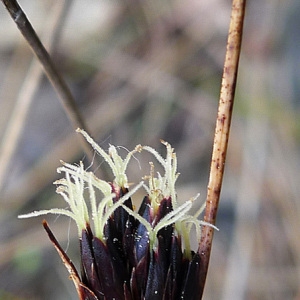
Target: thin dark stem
(222, 132)
(53, 75)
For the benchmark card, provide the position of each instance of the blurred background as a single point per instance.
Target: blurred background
(142, 71)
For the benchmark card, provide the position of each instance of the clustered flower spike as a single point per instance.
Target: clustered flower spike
(129, 255)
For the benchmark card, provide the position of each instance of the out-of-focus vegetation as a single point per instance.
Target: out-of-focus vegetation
(142, 71)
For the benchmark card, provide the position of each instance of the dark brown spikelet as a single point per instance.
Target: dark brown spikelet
(108, 272)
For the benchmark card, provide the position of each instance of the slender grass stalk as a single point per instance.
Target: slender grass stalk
(15, 123)
(221, 132)
(51, 71)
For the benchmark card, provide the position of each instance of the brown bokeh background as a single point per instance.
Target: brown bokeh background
(142, 71)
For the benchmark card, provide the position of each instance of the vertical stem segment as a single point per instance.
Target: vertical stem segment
(221, 132)
(52, 73)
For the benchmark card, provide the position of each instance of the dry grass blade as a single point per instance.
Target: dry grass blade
(83, 291)
(222, 130)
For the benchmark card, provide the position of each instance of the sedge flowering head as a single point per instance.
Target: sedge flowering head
(127, 253)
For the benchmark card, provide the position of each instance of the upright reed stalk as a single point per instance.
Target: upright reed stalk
(221, 132)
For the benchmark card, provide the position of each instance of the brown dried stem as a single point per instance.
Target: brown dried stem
(222, 132)
(52, 73)
(83, 291)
